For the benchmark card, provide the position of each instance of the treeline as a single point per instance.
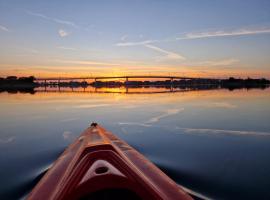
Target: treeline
(248, 81)
(20, 82)
(196, 81)
(14, 80)
(13, 84)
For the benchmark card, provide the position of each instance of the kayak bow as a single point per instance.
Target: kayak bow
(98, 165)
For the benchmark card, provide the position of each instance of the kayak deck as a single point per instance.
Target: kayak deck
(98, 165)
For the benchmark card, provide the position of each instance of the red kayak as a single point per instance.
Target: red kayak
(98, 165)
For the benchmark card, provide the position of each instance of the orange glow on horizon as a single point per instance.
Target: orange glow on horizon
(114, 72)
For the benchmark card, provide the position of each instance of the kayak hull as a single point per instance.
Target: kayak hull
(98, 165)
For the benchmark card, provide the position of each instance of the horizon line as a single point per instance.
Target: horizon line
(131, 76)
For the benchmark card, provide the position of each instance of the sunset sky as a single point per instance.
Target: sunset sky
(209, 38)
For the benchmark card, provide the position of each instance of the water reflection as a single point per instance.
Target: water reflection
(131, 89)
(214, 142)
(128, 90)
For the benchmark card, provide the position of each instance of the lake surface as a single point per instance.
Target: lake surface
(213, 142)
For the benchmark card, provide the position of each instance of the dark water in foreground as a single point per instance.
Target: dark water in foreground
(215, 142)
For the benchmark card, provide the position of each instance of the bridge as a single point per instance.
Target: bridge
(127, 78)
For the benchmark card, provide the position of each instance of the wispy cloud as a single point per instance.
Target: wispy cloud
(126, 44)
(168, 54)
(56, 20)
(66, 48)
(224, 33)
(201, 35)
(86, 62)
(224, 62)
(29, 50)
(3, 28)
(148, 44)
(124, 37)
(63, 33)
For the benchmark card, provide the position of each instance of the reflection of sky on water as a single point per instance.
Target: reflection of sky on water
(215, 142)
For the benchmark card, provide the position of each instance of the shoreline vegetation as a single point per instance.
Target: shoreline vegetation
(13, 84)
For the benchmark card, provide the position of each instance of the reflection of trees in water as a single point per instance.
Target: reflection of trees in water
(127, 90)
(18, 90)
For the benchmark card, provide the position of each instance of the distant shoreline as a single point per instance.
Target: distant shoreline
(28, 84)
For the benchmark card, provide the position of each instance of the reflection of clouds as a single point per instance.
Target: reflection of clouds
(70, 119)
(134, 123)
(124, 130)
(221, 105)
(7, 140)
(67, 135)
(130, 106)
(166, 114)
(200, 130)
(91, 105)
(220, 131)
(137, 130)
(36, 117)
(149, 123)
(196, 194)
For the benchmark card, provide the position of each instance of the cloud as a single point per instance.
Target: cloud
(3, 28)
(65, 22)
(166, 114)
(82, 62)
(66, 48)
(169, 54)
(29, 50)
(224, 33)
(63, 33)
(124, 37)
(147, 44)
(202, 34)
(59, 21)
(224, 62)
(126, 44)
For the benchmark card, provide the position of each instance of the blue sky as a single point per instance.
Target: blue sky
(199, 38)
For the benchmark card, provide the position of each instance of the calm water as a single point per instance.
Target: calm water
(215, 142)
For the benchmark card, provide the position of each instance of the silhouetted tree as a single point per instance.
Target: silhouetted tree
(11, 78)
